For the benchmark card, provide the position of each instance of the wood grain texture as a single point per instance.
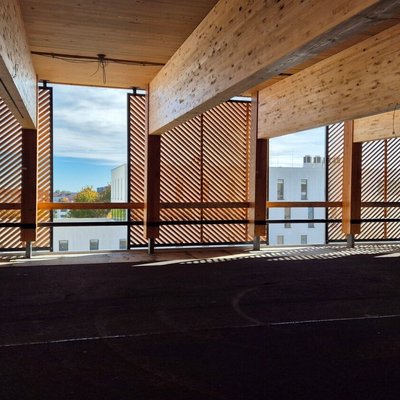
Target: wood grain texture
(150, 30)
(351, 182)
(360, 81)
(17, 74)
(243, 43)
(375, 127)
(258, 186)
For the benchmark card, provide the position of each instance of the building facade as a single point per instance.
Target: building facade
(306, 183)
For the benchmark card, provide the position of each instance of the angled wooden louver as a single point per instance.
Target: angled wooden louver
(393, 186)
(335, 148)
(10, 171)
(10, 176)
(136, 160)
(45, 165)
(380, 183)
(204, 160)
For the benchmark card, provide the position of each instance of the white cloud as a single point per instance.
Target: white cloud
(289, 150)
(90, 123)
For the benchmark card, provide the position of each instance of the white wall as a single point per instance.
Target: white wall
(292, 176)
(119, 184)
(79, 237)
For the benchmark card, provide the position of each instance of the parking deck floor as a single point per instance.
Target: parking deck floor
(295, 323)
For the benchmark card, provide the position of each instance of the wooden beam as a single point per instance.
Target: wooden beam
(242, 43)
(89, 206)
(152, 182)
(29, 185)
(258, 176)
(351, 182)
(357, 82)
(375, 127)
(18, 83)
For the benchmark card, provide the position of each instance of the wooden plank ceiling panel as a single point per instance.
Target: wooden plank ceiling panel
(150, 31)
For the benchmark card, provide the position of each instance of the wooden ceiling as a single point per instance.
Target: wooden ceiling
(148, 31)
(144, 31)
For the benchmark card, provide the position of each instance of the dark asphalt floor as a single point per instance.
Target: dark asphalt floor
(250, 328)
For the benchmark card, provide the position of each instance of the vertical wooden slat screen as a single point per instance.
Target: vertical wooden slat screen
(204, 160)
(10, 176)
(373, 187)
(136, 156)
(380, 183)
(335, 148)
(225, 177)
(10, 171)
(181, 181)
(45, 165)
(393, 186)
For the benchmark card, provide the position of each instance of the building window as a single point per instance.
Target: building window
(303, 189)
(63, 245)
(303, 239)
(280, 239)
(288, 217)
(122, 244)
(280, 189)
(311, 216)
(94, 244)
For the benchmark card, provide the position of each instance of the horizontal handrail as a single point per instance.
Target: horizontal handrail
(89, 206)
(197, 205)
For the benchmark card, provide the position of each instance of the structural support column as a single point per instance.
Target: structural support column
(152, 185)
(258, 179)
(351, 213)
(29, 188)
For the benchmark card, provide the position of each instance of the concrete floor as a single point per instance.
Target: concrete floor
(296, 323)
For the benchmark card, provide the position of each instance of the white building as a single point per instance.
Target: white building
(306, 183)
(89, 238)
(119, 184)
(92, 238)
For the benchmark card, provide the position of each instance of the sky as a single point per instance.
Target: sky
(90, 137)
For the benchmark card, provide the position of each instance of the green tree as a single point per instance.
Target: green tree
(88, 195)
(105, 195)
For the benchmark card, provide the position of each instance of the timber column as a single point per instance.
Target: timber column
(152, 184)
(351, 212)
(29, 189)
(258, 178)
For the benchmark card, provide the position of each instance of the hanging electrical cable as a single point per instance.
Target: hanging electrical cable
(394, 115)
(101, 60)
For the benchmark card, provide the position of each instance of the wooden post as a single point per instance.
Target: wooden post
(152, 185)
(258, 178)
(29, 186)
(351, 213)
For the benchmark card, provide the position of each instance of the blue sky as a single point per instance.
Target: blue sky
(90, 137)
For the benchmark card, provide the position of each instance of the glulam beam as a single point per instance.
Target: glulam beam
(375, 127)
(360, 81)
(242, 43)
(17, 75)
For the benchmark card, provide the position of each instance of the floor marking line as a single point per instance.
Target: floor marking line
(130, 335)
(316, 321)
(183, 331)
